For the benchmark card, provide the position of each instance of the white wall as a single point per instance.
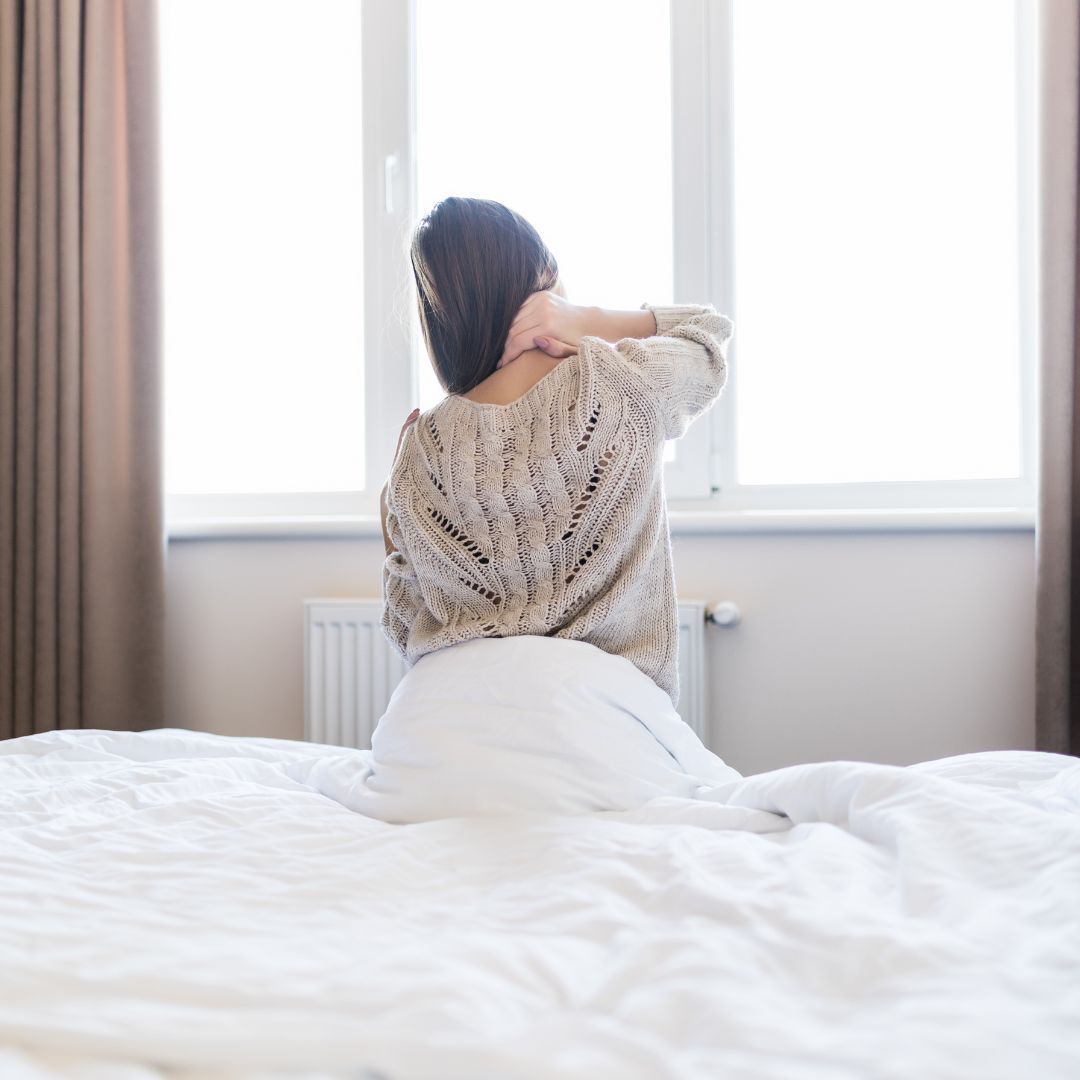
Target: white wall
(891, 647)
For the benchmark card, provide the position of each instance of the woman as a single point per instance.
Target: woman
(528, 579)
(530, 500)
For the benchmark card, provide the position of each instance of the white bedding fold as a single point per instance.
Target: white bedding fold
(519, 725)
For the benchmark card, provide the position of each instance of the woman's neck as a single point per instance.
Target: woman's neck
(508, 383)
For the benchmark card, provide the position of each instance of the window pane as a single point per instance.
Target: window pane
(876, 252)
(578, 141)
(262, 203)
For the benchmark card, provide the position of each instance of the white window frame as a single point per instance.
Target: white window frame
(703, 29)
(389, 373)
(701, 482)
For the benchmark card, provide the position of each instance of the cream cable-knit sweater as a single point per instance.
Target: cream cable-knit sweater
(547, 516)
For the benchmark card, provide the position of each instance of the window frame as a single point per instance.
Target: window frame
(702, 480)
(710, 22)
(389, 381)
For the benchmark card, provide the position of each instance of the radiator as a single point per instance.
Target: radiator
(350, 670)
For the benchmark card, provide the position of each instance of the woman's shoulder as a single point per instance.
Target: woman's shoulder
(455, 423)
(508, 403)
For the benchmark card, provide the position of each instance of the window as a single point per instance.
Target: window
(851, 182)
(877, 255)
(262, 166)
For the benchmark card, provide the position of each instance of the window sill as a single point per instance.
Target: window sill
(682, 523)
(689, 522)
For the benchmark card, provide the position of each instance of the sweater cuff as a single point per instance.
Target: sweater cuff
(668, 316)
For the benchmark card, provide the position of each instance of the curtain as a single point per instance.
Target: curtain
(1057, 539)
(82, 538)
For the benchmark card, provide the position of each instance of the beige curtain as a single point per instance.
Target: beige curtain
(1057, 667)
(82, 541)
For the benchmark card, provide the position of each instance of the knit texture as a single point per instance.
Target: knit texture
(547, 516)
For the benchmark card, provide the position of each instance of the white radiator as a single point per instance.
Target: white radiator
(350, 670)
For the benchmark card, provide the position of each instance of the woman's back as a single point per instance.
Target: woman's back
(546, 515)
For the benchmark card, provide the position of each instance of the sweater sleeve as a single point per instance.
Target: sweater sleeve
(402, 599)
(684, 365)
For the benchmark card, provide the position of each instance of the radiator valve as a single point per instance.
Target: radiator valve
(725, 614)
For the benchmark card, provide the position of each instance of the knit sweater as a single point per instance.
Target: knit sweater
(547, 516)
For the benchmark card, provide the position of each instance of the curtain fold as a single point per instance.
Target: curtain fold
(82, 537)
(1057, 645)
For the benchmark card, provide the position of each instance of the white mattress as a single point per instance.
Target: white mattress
(179, 904)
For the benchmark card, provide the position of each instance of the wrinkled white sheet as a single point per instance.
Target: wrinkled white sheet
(179, 904)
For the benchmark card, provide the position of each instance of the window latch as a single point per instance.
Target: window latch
(390, 171)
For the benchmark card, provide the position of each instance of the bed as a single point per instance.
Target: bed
(182, 904)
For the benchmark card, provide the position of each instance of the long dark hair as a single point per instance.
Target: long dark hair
(475, 262)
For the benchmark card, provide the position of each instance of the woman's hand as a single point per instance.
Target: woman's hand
(545, 321)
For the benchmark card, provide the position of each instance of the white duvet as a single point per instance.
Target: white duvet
(537, 871)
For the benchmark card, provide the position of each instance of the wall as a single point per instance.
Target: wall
(891, 647)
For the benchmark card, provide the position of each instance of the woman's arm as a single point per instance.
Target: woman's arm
(677, 352)
(683, 366)
(550, 322)
(612, 325)
(411, 418)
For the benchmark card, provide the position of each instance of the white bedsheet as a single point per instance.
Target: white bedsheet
(179, 904)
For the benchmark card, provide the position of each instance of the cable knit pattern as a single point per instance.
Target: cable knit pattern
(548, 516)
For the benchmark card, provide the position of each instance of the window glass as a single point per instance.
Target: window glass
(262, 175)
(876, 240)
